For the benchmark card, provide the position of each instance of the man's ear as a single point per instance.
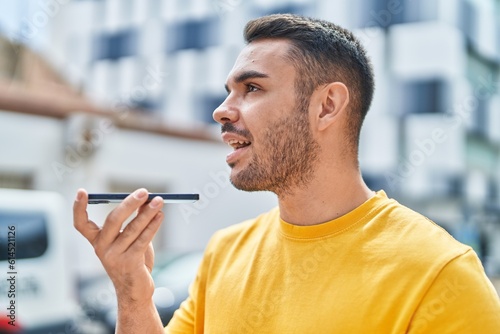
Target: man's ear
(334, 101)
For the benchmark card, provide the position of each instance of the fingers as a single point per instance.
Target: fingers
(136, 236)
(141, 230)
(80, 218)
(115, 219)
(143, 242)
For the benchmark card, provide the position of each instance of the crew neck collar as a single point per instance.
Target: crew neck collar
(336, 225)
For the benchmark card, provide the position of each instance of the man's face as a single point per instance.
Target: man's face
(268, 129)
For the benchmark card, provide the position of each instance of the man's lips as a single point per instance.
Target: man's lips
(238, 143)
(236, 155)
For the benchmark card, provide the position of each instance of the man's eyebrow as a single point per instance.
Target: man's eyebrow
(247, 75)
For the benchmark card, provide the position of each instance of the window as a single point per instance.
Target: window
(193, 34)
(468, 19)
(384, 13)
(479, 124)
(378, 181)
(208, 104)
(117, 45)
(377, 13)
(423, 96)
(16, 180)
(492, 190)
(147, 104)
(31, 239)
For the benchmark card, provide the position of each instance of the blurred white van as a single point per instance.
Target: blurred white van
(36, 293)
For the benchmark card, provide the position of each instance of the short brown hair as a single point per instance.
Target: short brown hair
(322, 52)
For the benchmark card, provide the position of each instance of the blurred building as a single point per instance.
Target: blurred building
(431, 139)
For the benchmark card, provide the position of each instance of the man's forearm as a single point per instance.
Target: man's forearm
(137, 318)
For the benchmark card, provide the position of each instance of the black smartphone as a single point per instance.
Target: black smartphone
(167, 198)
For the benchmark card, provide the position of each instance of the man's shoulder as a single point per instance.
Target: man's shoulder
(412, 232)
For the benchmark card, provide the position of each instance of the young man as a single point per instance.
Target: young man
(334, 257)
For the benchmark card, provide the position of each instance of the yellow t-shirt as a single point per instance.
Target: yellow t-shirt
(381, 268)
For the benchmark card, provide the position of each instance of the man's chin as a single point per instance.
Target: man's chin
(245, 182)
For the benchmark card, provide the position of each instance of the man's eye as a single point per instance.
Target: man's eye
(252, 88)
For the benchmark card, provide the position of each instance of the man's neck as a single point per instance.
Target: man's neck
(329, 195)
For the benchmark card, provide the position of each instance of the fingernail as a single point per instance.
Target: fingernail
(140, 194)
(155, 202)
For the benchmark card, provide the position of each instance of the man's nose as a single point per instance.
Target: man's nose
(225, 113)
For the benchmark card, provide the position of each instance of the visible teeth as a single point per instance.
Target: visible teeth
(237, 143)
(234, 141)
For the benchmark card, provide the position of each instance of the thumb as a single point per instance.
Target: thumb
(81, 221)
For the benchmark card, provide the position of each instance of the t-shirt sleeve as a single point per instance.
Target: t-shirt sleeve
(190, 316)
(460, 300)
(183, 320)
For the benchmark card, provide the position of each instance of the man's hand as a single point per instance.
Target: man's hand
(127, 256)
